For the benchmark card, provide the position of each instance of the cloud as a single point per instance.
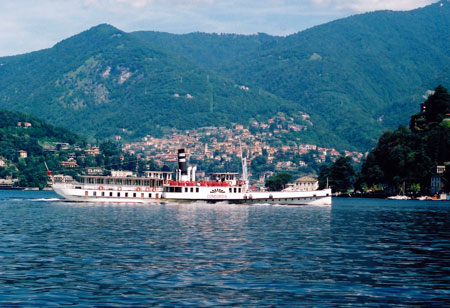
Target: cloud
(139, 4)
(353, 5)
(372, 5)
(27, 25)
(279, 17)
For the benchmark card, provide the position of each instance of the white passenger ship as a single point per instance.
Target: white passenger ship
(158, 186)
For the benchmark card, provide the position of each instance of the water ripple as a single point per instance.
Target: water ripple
(358, 253)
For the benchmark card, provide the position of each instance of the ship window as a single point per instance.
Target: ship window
(86, 193)
(186, 189)
(103, 193)
(150, 195)
(192, 189)
(142, 195)
(94, 193)
(240, 189)
(134, 195)
(230, 189)
(196, 189)
(178, 189)
(235, 189)
(110, 194)
(118, 194)
(126, 194)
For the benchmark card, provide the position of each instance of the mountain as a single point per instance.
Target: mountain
(355, 77)
(105, 82)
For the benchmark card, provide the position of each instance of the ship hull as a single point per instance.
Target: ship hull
(87, 194)
(317, 197)
(92, 194)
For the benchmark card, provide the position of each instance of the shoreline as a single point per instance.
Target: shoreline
(385, 196)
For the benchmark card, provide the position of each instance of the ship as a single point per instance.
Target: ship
(161, 187)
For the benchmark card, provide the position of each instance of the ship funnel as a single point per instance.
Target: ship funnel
(189, 172)
(193, 173)
(182, 161)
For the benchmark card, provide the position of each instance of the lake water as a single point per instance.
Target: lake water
(357, 253)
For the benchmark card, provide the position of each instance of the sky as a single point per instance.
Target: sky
(29, 25)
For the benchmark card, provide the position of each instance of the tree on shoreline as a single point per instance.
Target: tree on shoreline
(278, 182)
(340, 175)
(409, 155)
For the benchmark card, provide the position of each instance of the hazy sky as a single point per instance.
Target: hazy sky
(28, 25)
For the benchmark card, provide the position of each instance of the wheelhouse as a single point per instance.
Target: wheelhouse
(224, 177)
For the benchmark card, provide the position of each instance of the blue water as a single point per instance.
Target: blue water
(357, 253)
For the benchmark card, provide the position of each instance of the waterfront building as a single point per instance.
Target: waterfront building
(436, 180)
(304, 183)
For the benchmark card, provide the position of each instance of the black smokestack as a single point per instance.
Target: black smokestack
(182, 161)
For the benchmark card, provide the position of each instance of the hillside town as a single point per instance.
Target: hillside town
(224, 145)
(268, 147)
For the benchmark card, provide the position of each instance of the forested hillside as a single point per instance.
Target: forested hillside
(410, 155)
(22, 132)
(28, 143)
(355, 77)
(104, 82)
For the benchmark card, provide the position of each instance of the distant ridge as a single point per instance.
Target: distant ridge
(104, 81)
(355, 77)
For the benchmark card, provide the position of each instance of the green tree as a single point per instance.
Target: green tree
(324, 174)
(409, 155)
(278, 182)
(341, 175)
(109, 148)
(437, 105)
(399, 157)
(165, 168)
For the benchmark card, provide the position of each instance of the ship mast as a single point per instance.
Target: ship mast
(49, 173)
(244, 167)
